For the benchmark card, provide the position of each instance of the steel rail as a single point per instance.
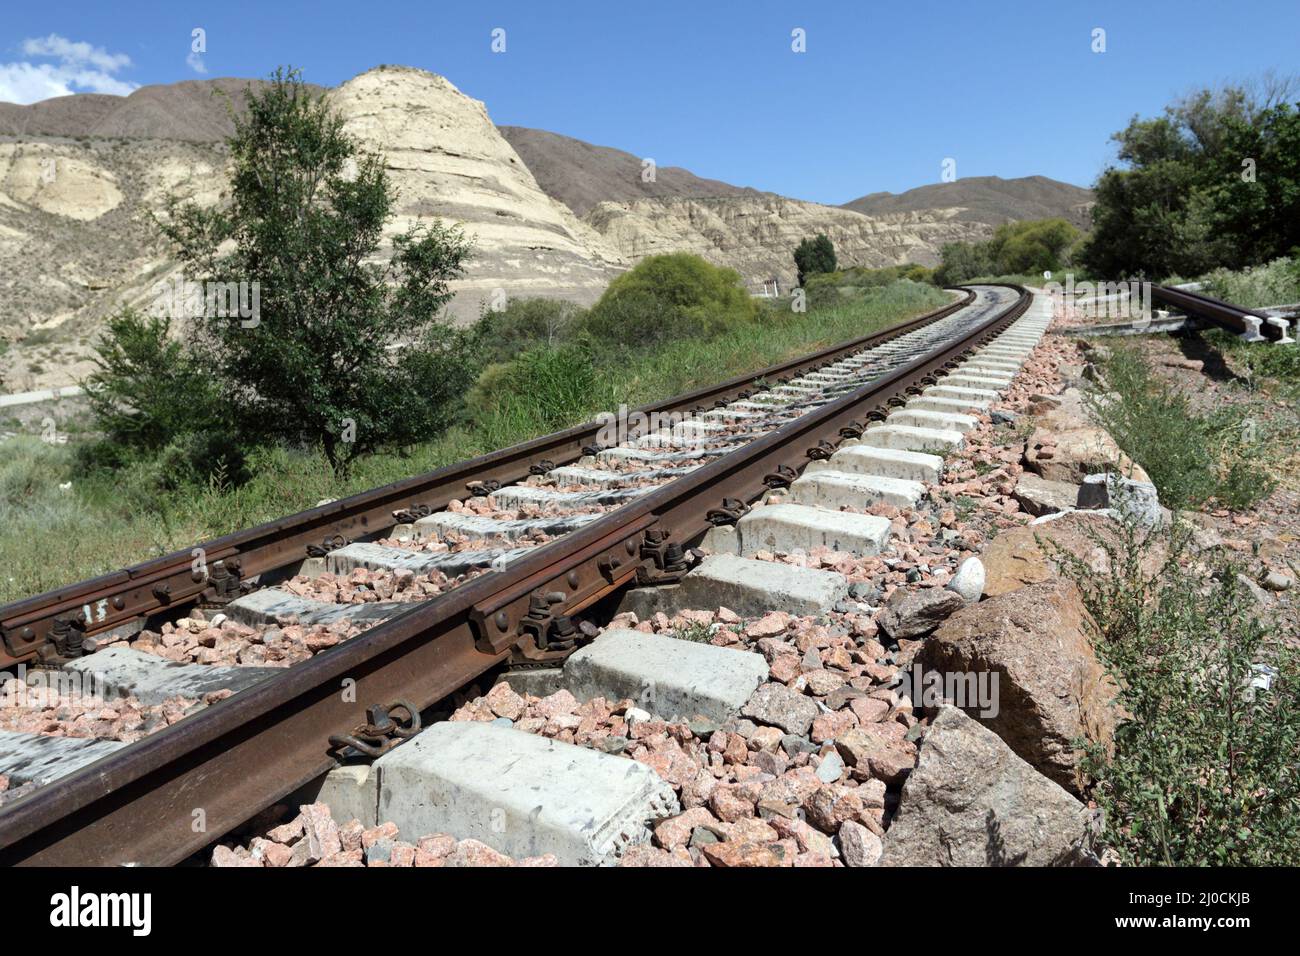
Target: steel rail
(232, 759)
(1224, 314)
(169, 582)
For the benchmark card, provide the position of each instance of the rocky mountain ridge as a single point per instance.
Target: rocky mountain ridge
(83, 178)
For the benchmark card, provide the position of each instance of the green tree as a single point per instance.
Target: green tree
(348, 353)
(1215, 181)
(814, 255)
(962, 261)
(1022, 248)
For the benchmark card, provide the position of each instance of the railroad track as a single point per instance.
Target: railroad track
(508, 589)
(1253, 324)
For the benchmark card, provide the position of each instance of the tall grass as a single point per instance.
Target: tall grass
(1275, 283)
(50, 537)
(1204, 768)
(1191, 458)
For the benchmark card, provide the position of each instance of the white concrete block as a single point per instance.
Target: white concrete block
(863, 459)
(836, 489)
(790, 527)
(747, 586)
(941, 421)
(520, 793)
(910, 438)
(666, 676)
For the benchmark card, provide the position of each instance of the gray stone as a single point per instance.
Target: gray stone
(831, 768)
(779, 706)
(1276, 581)
(914, 613)
(703, 836)
(1258, 593)
(1135, 499)
(673, 678)
(381, 851)
(972, 802)
(969, 580)
(858, 846)
(793, 744)
(523, 794)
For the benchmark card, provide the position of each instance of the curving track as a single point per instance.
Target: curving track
(600, 519)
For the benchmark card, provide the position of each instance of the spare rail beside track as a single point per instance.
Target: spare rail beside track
(234, 758)
(1253, 324)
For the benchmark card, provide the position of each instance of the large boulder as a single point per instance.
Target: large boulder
(1050, 687)
(1015, 558)
(1073, 449)
(1066, 445)
(972, 802)
(1038, 496)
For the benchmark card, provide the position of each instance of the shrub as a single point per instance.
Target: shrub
(961, 261)
(1026, 248)
(1276, 283)
(667, 297)
(149, 395)
(543, 390)
(1206, 757)
(525, 324)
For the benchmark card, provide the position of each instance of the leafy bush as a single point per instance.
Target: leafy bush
(525, 324)
(548, 388)
(814, 256)
(1191, 458)
(962, 261)
(152, 399)
(1276, 283)
(1035, 246)
(1206, 763)
(1030, 247)
(664, 298)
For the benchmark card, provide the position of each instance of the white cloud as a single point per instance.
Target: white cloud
(78, 68)
(195, 62)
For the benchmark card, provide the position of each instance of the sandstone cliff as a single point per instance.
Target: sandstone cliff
(77, 231)
(756, 235)
(82, 179)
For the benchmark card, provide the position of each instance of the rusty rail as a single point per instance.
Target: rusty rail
(238, 756)
(170, 582)
(1224, 314)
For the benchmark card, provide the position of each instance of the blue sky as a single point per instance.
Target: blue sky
(883, 94)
